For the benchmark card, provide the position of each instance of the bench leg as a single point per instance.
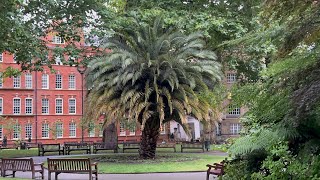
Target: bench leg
(13, 173)
(207, 176)
(56, 175)
(49, 175)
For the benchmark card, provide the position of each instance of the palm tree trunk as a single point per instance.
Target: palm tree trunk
(150, 135)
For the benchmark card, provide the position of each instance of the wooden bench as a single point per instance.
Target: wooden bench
(9, 146)
(43, 148)
(167, 145)
(130, 145)
(25, 164)
(72, 165)
(215, 169)
(104, 146)
(192, 146)
(68, 147)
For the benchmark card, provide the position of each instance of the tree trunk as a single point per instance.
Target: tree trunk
(149, 137)
(110, 136)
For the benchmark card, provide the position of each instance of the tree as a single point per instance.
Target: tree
(152, 75)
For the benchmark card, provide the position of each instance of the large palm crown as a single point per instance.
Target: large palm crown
(152, 73)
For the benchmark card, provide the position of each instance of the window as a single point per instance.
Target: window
(1, 80)
(16, 105)
(231, 77)
(59, 106)
(235, 128)
(100, 129)
(72, 129)
(45, 130)
(72, 81)
(91, 130)
(132, 130)
(72, 106)
(45, 106)
(58, 81)
(16, 81)
(57, 40)
(1, 57)
(233, 110)
(28, 130)
(28, 106)
(58, 60)
(14, 58)
(122, 129)
(28, 81)
(1, 106)
(45, 81)
(1, 132)
(59, 130)
(163, 129)
(16, 131)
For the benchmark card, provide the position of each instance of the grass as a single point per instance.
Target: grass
(165, 161)
(171, 162)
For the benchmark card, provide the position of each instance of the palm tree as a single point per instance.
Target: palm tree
(152, 76)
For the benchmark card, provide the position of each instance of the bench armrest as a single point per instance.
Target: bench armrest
(214, 166)
(95, 164)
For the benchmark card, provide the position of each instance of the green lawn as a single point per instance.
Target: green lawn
(165, 161)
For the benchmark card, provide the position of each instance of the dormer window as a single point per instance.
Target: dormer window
(57, 40)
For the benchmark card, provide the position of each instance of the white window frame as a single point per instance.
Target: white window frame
(14, 58)
(132, 130)
(72, 129)
(45, 81)
(58, 81)
(1, 105)
(72, 106)
(16, 131)
(235, 128)
(1, 131)
(28, 130)
(59, 130)
(16, 109)
(1, 57)
(100, 129)
(1, 80)
(57, 40)
(58, 60)
(234, 110)
(45, 131)
(16, 81)
(231, 77)
(72, 81)
(122, 129)
(56, 109)
(28, 81)
(92, 132)
(28, 107)
(45, 105)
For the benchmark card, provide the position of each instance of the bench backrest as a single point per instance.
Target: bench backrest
(18, 164)
(47, 147)
(106, 145)
(193, 145)
(131, 144)
(166, 145)
(76, 145)
(69, 165)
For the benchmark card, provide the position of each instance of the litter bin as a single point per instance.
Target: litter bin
(23, 145)
(207, 145)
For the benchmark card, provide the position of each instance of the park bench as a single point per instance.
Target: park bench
(43, 148)
(215, 169)
(130, 145)
(68, 147)
(185, 145)
(24, 164)
(104, 146)
(167, 145)
(31, 145)
(9, 146)
(72, 165)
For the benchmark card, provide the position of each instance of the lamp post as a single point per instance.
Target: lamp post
(81, 69)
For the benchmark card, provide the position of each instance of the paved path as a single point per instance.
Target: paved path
(151, 176)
